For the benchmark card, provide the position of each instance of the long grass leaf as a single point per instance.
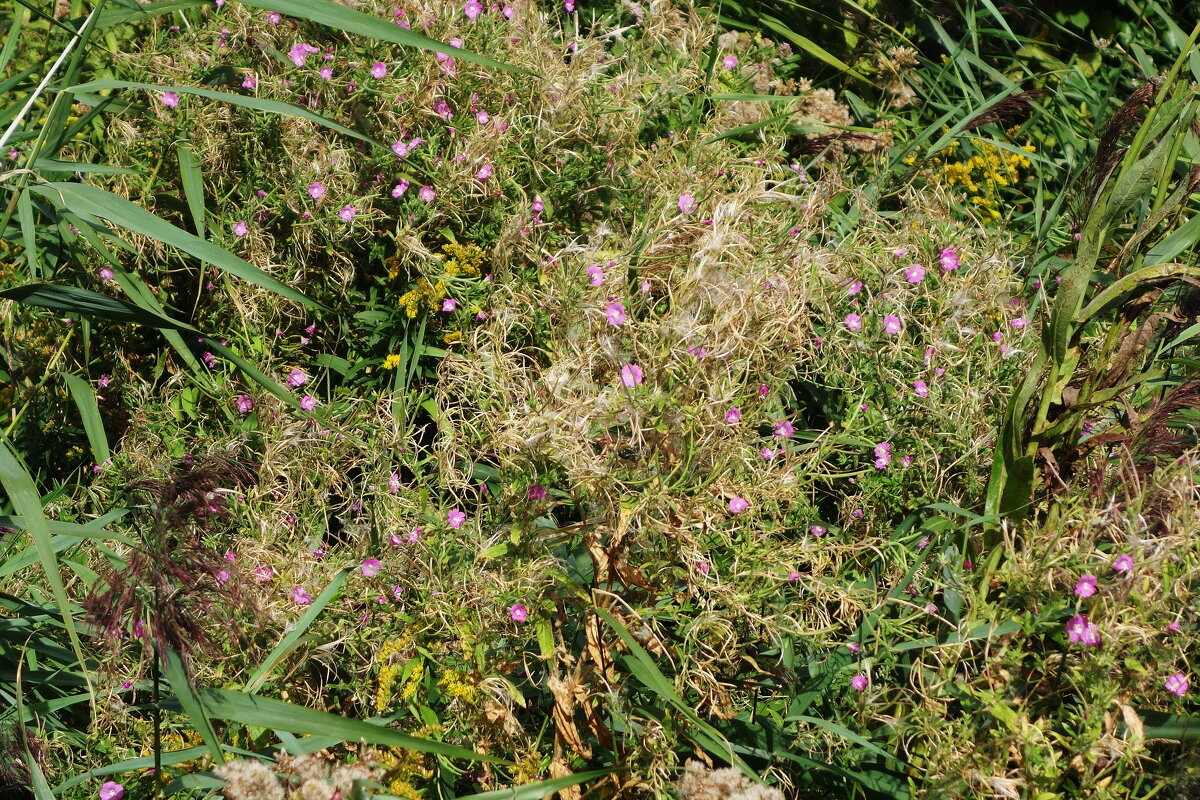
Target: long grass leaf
(90, 201)
(243, 100)
(28, 503)
(348, 20)
(193, 186)
(249, 709)
(89, 411)
(536, 791)
(288, 642)
(176, 676)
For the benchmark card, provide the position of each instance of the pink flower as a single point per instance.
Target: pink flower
(274, 18)
(920, 389)
(883, 454)
(914, 274)
(316, 190)
(264, 573)
(1081, 631)
(1086, 586)
(102, 382)
(631, 375)
(729, 61)
(595, 274)
(400, 188)
(687, 204)
(733, 416)
(394, 483)
(240, 229)
(482, 117)
(793, 576)
(243, 403)
(170, 99)
(1019, 322)
(818, 530)
(378, 69)
(767, 453)
(900, 251)
(484, 173)
(1173, 627)
(1177, 684)
(702, 567)
(370, 567)
(308, 402)
(615, 313)
(300, 596)
(536, 492)
(738, 504)
(1123, 563)
(859, 682)
(296, 378)
(222, 577)
(853, 322)
(891, 324)
(949, 259)
(111, 790)
(347, 213)
(325, 72)
(300, 52)
(852, 647)
(472, 9)
(455, 518)
(784, 429)
(106, 274)
(427, 193)
(249, 82)
(854, 288)
(397, 593)
(449, 305)
(518, 613)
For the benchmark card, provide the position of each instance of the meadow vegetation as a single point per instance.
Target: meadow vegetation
(430, 399)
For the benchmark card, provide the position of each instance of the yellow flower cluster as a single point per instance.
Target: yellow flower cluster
(402, 764)
(456, 685)
(413, 682)
(984, 175)
(390, 670)
(463, 259)
(426, 294)
(392, 361)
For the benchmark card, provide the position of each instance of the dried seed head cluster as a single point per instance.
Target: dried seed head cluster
(168, 591)
(305, 777)
(701, 783)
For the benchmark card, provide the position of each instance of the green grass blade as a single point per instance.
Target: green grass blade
(249, 709)
(642, 666)
(245, 101)
(193, 186)
(81, 301)
(10, 41)
(90, 201)
(846, 734)
(348, 20)
(28, 233)
(536, 791)
(28, 503)
(176, 676)
(89, 410)
(289, 642)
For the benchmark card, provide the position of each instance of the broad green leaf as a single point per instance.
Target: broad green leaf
(289, 642)
(89, 411)
(90, 201)
(82, 301)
